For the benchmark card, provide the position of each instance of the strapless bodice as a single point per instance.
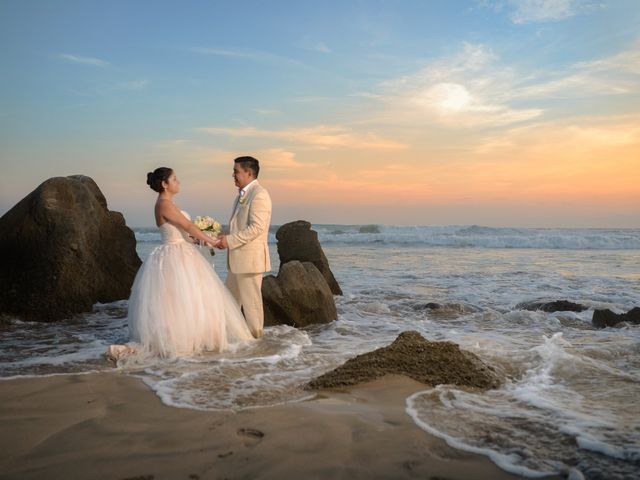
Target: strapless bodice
(172, 234)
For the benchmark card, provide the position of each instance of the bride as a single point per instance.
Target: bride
(178, 304)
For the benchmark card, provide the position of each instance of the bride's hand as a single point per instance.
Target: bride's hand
(222, 242)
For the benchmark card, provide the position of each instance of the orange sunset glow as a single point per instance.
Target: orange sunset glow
(528, 116)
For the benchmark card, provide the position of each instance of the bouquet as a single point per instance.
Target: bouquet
(210, 227)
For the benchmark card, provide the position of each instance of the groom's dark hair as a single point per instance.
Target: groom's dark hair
(249, 163)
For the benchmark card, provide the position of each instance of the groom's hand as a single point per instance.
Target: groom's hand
(222, 242)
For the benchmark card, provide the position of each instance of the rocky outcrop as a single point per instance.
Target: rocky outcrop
(555, 306)
(302, 292)
(62, 250)
(296, 241)
(607, 318)
(298, 296)
(431, 363)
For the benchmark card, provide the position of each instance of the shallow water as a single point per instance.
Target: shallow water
(569, 404)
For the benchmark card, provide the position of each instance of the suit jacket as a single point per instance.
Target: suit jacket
(249, 232)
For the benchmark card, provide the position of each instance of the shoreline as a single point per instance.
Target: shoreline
(112, 426)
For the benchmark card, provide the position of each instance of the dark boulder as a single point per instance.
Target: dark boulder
(62, 250)
(298, 296)
(607, 318)
(431, 363)
(555, 306)
(296, 241)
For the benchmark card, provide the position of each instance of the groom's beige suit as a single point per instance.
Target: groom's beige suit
(248, 255)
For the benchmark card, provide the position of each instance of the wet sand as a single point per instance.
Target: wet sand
(112, 426)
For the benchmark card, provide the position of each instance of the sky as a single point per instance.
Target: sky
(507, 113)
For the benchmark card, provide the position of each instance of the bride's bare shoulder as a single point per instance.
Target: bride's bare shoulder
(164, 208)
(164, 204)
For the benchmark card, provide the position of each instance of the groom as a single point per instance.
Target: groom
(248, 255)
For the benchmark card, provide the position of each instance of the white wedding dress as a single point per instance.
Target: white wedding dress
(178, 304)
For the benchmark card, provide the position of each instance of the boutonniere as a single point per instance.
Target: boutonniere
(243, 200)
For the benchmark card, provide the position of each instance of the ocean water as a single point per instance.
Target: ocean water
(569, 405)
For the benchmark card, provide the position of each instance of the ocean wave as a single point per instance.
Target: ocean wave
(152, 235)
(475, 236)
(542, 423)
(465, 236)
(145, 235)
(267, 372)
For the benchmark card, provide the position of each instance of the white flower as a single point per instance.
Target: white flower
(208, 224)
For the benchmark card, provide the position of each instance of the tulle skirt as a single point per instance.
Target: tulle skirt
(179, 306)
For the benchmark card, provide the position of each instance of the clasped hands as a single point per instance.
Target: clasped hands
(219, 242)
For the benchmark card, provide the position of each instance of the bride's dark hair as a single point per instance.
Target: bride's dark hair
(159, 175)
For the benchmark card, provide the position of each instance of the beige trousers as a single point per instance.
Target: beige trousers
(246, 288)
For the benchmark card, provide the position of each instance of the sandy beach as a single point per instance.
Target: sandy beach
(113, 426)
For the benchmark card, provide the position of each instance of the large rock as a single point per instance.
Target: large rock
(298, 296)
(607, 318)
(296, 241)
(62, 250)
(555, 306)
(431, 363)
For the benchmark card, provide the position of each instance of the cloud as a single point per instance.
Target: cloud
(613, 75)
(542, 10)
(314, 46)
(111, 88)
(249, 54)
(625, 61)
(568, 135)
(471, 58)
(92, 61)
(130, 85)
(280, 160)
(199, 159)
(319, 137)
(265, 111)
(537, 11)
(253, 55)
(446, 97)
(453, 103)
(321, 47)
(468, 89)
(475, 88)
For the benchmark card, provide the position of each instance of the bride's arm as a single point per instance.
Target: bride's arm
(171, 213)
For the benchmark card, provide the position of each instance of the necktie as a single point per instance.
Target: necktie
(238, 201)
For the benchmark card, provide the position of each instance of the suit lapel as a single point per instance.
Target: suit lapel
(249, 196)
(236, 204)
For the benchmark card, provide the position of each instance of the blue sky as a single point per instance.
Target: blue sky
(412, 112)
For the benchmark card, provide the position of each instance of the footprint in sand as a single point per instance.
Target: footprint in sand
(250, 436)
